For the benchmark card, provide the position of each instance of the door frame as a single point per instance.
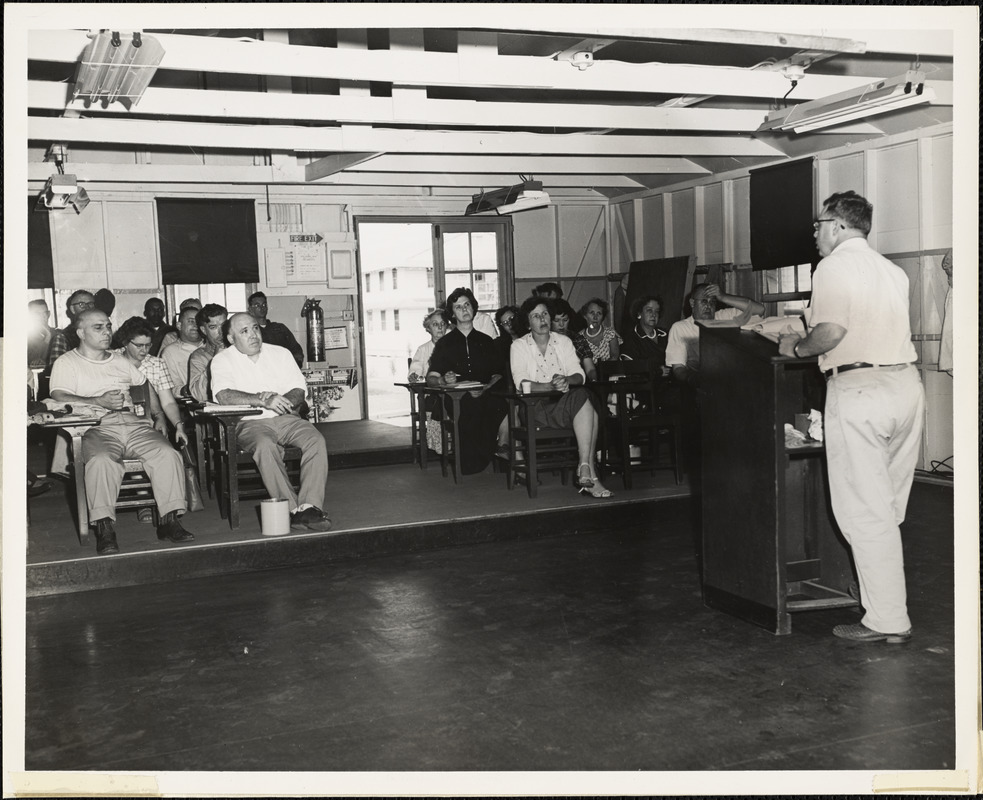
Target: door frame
(502, 227)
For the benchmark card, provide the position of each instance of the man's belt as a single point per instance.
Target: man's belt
(830, 373)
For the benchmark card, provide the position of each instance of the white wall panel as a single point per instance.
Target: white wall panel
(322, 218)
(937, 192)
(131, 243)
(741, 224)
(582, 241)
(654, 228)
(895, 198)
(713, 223)
(841, 173)
(623, 235)
(534, 241)
(683, 207)
(78, 248)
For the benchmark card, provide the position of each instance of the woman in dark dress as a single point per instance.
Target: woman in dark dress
(466, 354)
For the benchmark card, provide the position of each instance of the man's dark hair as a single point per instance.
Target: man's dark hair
(77, 294)
(639, 303)
(209, 311)
(456, 295)
(152, 300)
(852, 209)
(546, 288)
(255, 295)
(129, 330)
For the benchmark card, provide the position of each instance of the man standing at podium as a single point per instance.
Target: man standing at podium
(859, 328)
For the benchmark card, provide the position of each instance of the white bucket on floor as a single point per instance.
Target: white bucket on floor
(274, 517)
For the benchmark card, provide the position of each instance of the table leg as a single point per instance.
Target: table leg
(78, 470)
(233, 448)
(456, 405)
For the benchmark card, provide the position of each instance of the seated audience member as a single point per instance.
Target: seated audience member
(67, 338)
(683, 348)
(211, 324)
(154, 312)
(549, 361)
(95, 375)
(562, 315)
(266, 376)
(466, 354)
(604, 342)
(172, 336)
(274, 332)
(105, 301)
(484, 323)
(548, 291)
(39, 334)
(505, 319)
(134, 336)
(646, 341)
(176, 355)
(436, 326)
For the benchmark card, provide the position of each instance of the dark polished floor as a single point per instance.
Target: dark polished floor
(589, 651)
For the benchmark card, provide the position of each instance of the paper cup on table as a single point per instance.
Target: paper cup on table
(274, 517)
(525, 387)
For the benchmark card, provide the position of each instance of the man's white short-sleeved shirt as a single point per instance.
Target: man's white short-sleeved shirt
(858, 289)
(274, 371)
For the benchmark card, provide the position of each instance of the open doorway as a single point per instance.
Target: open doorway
(405, 269)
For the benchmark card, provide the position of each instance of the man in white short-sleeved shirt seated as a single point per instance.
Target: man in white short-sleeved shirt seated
(94, 375)
(683, 347)
(266, 376)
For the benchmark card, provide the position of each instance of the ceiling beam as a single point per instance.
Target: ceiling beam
(337, 140)
(97, 172)
(526, 164)
(337, 162)
(407, 107)
(468, 68)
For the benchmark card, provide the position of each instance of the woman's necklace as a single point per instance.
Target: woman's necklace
(600, 330)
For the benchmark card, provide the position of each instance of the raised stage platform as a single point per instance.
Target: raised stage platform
(386, 505)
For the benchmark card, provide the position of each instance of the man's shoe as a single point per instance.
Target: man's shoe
(39, 487)
(310, 519)
(858, 632)
(171, 530)
(106, 537)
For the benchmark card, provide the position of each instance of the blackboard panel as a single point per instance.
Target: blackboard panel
(782, 215)
(207, 241)
(668, 278)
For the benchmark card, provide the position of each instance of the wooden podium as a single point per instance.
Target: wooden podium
(770, 542)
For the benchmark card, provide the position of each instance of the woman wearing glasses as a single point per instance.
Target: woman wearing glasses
(466, 354)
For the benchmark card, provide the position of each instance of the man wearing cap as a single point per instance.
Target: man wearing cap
(172, 335)
(266, 376)
(859, 327)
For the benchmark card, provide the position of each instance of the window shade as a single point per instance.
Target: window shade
(40, 269)
(207, 241)
(782, 215)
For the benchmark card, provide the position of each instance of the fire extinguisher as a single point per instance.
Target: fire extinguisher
(315, 329)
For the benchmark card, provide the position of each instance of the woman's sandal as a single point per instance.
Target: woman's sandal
(594, 489)
(584, 484)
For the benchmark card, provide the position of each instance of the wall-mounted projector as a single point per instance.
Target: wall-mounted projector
(510, 199)
(62, 191)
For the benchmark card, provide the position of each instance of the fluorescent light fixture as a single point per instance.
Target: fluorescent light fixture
(117, 67)
(866, 101)
(510, 199)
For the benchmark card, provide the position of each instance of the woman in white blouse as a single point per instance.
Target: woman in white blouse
(550, 363)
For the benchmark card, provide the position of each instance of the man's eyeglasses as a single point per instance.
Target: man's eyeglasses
(818, 222)
(83, 304)
(139, 346)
